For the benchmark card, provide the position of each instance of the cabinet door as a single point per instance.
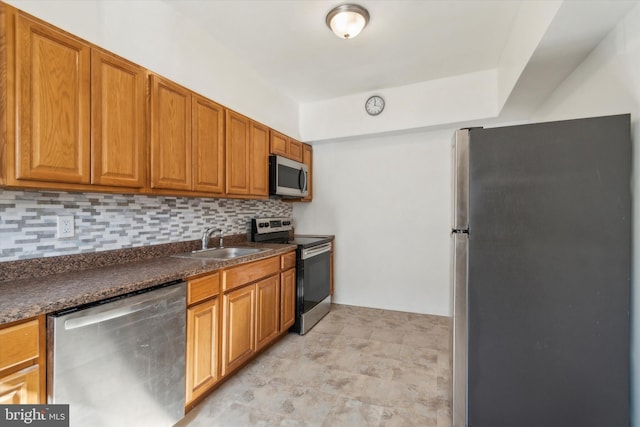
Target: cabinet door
(170, 135)
(237, 153)
(208, 146)
(238, 341)
(21, 387)
(53, 101)
(267, 310)
(295, 150)
(202, 348)
(117, 121)
(287, 298)
(259, 156)
(278, 143)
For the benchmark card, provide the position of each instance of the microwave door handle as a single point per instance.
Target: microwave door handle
(302, 179)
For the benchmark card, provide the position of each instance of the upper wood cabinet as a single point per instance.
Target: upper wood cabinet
(237, 150)
(52, 90)
(170, 135)
(187, 140)
(282, 145)
(259, 160)
(118, 123)
(208, 145)
(74, 116)
(247, 156)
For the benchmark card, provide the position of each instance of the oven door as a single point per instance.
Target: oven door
(314, 286)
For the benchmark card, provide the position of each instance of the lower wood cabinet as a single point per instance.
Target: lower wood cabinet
(234, 313)
(22, 362)
(21, 387)
(238, 340)
(202, 348)
(203, 336)
(287, 298)
(267, 307)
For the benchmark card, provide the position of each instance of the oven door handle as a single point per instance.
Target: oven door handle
(316, 250)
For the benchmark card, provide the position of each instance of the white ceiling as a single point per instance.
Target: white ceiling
(407, 41)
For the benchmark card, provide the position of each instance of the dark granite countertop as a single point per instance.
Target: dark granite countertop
(25, 297)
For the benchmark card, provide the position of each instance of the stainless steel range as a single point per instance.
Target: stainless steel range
(313, 268)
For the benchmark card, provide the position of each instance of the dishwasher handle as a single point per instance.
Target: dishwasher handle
(316, 250)
(92, 319)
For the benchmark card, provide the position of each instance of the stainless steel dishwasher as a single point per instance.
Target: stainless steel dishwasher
(121, 362)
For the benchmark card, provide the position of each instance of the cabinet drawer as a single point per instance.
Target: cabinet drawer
(238, 276)
(288, 261)
(19, 343)
(202, 288)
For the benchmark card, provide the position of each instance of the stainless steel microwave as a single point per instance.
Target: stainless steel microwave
(288, 178)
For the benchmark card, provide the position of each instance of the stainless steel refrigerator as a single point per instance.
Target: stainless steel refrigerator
(541, 261)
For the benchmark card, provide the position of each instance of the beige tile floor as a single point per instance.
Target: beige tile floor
(357, 367)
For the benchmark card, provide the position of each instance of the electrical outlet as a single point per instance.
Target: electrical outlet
(66, 227)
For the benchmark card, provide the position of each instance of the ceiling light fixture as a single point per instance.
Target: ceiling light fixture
(347, 20)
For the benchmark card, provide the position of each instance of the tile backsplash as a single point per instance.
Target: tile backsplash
(28, 220)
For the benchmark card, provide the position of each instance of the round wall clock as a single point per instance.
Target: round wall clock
(374, 105)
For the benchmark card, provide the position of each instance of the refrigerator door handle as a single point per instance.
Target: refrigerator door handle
(459, 289)
(460, 180)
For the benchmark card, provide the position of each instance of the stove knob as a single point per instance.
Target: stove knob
(266, 224)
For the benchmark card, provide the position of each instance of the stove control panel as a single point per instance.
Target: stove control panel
(271, 225)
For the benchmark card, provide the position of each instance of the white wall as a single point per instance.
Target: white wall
(448, 100)
(608, 82)
(151, 33)
(387, 200)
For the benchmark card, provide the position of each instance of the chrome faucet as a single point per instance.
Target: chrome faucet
(207, 234)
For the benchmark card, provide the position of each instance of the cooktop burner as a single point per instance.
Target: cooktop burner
(279, 230)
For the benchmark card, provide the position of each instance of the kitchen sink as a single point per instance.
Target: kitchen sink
(221, 253)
